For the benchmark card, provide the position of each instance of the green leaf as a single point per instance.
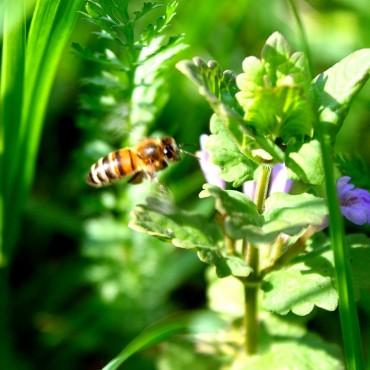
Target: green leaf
(233, 204)
(190, 231)
(201, 322)
(307, 353)
(12, 77)
(284, 213)
(274, 92)
(335, 88)
(51, 26)
(307, 163)
(183, 229)
(146, 8)
(150, 93)
(212, 257)
(217, 87)
(301, 287)
(238, 267)
(226, 154)
(311, 281)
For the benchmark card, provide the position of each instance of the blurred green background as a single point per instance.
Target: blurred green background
(82, 283)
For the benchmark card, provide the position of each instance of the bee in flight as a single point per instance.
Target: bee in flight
(148, 157)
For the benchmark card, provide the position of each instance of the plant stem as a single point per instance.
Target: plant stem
(251, 284)
(347, 308)
(251, 317)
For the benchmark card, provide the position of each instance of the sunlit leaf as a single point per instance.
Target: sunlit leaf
(284, 213)
(233, 204)
(217, 87)
(301, 287)
(274, 92)
(226, 154)
(307, 163)
(183, 229)
(150, 93)
(293, 354)
(335, 88)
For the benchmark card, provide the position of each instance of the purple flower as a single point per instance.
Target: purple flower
(210, 170)
(279, 182)
(355, 202)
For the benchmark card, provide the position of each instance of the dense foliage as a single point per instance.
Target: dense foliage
(84, 271)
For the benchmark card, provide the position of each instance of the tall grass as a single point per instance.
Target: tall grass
(29, 64)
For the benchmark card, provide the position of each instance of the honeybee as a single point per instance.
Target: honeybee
(148, 157)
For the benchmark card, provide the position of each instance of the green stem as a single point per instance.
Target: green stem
(251, 284)
(302, 32)
(251, 318)
(347, 308)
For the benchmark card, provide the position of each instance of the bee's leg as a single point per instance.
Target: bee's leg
(137, 178)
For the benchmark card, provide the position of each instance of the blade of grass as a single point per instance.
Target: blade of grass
(302, 32)
(11, 91)
(198, 322)
(50, 30)
(347, 307)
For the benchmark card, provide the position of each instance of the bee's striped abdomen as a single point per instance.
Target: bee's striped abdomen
(112, 167)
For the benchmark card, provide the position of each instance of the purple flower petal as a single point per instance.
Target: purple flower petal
(355, 202)
(280, 183)
(249, 187)
(211, 171)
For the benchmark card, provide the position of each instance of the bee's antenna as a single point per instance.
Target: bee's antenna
(181, 146)
(190, 154)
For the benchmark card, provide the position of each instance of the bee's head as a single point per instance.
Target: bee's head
(170, 149)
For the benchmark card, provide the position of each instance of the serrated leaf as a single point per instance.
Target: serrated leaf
(276, 50)
(301, 287)
(307, 353)
(150, 94)
(224, 152)
(233, 204)
(284, 213)
(335, 88)
(217, 87)
(183, 229)
(146, 8)
(274, 91)
(310, 282)
(307, 163)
